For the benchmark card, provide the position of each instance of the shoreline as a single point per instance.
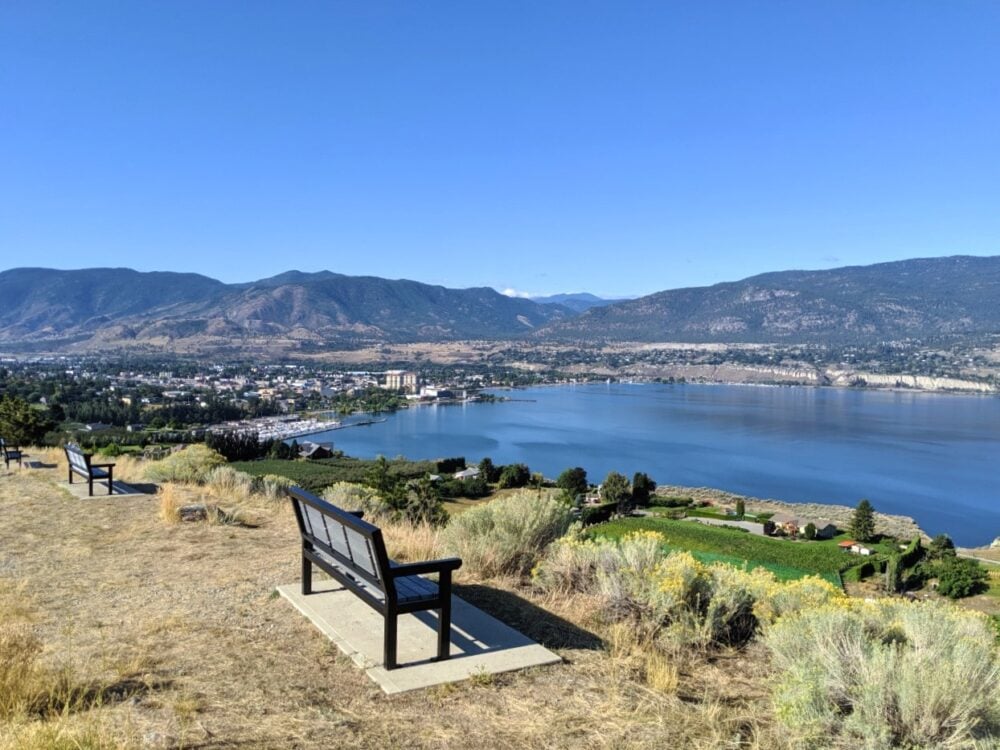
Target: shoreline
(886, 523)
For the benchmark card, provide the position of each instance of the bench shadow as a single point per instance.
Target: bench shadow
(536, 623)
(146, 488)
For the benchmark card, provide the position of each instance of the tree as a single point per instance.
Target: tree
(862, 526)
(642, 488)
(423, 504)
(20, 424)
(573, 481)
(809, 532)
(941, 546)
(514, 475)
(488, 471)
(741, 509)
(615, 490)
(388, 486)
(960, 576)
(893, 575)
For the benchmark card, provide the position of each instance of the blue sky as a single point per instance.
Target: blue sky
(617, 147)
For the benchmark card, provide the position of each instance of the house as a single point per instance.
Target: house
(787, 523)
(308, 449)
(860, 549)
(825, 529)
(471, 473)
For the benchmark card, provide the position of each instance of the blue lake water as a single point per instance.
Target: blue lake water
(933, 457)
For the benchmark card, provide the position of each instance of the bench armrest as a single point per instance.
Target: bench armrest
(101, 466)
(430, 566)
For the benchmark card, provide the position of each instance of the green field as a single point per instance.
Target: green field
(315, 475)
(787, 560)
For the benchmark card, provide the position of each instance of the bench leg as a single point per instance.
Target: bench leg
(307, 576)
(90, 486)
(71, 475)
(390, 640)
(444, 617)
(111, 480)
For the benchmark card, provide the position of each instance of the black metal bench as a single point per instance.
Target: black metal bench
(352, 551)
(10, 453)
(79, 463)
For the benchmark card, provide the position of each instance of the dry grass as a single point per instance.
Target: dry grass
(171, 502)
(176, 626)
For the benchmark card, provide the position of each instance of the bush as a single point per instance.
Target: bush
(225, 480)
(859, 572)
(193, 465)
(959, 577)
(507, 535)
(347, 496)
(592, 514)
(673, 598)
(271, 486)
(670, 501)
(886, 674)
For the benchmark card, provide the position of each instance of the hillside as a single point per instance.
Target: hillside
(121, 307)
(922, 298)
(105, 309)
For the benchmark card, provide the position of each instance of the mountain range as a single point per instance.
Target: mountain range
(920, 298)
(117, 307)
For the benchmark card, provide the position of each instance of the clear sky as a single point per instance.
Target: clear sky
(616, 147)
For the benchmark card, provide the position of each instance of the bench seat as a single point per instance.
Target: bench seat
(408, 588)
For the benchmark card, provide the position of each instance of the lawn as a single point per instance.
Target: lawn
(787, 560)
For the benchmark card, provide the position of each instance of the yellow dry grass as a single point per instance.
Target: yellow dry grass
(175, 633)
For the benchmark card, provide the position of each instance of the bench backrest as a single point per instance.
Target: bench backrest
(77, 458)
(351, 541)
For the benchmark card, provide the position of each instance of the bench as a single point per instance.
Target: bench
(352, 551)
(79, 463)
(10, 453)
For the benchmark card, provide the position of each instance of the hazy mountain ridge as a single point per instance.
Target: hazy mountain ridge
(104, 308)
(578, 301)
(918, 298)
(121, 304)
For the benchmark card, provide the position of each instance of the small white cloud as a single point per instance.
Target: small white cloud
(510, 292)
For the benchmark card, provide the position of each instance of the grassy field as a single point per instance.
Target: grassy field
(170, 636)
(787, 560)
(315, 475)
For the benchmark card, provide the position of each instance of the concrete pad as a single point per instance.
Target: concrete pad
(118, 489)
(480, 644)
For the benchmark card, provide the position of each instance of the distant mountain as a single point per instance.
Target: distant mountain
(119, 306)
(579, 302)
(919, 298)
(109, 308)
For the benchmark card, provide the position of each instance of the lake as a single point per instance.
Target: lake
(933, 457)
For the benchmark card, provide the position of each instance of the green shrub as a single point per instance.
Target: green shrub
(859, 572)
(225, 480)
(592, 514)
(959, 577)
(347, 496)
(670, 501)
(886, 674)
(193, 465)
(671, 597)
(272, 486)
(507, 535)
